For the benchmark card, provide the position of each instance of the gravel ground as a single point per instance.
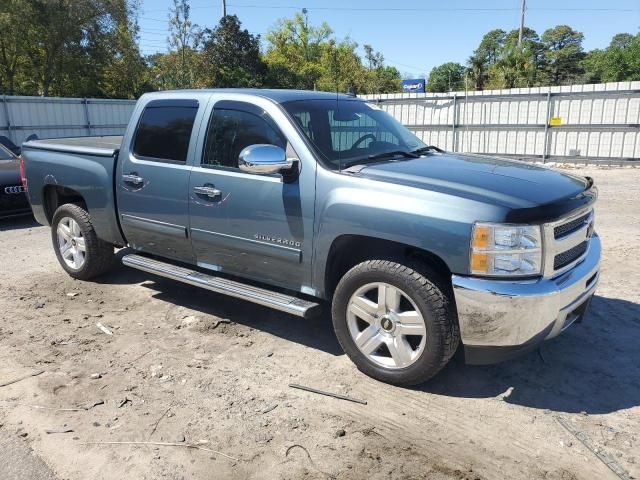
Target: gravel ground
(189, 367)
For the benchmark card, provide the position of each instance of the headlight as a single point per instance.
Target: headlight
(506, 250)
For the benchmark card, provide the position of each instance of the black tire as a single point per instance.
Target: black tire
(98, 256)
(433, 302)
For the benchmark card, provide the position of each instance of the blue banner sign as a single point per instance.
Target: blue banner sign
(413, 86)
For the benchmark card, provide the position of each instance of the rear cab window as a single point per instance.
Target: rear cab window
(164, 130)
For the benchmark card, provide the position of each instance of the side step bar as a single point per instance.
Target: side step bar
(278, 301)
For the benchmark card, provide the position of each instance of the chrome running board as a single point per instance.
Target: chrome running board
(278, 301)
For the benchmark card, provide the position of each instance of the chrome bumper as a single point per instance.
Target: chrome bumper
(515, 315)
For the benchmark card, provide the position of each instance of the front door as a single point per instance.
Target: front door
(152, 180)
(257, 226)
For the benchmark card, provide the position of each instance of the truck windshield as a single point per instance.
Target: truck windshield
(348, 132)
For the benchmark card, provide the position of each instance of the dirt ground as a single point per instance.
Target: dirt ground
(186, 366)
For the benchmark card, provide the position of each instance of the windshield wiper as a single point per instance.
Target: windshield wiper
(427, 149)
(376, 157)
(393, 153)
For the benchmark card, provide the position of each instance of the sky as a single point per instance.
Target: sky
(413, 35)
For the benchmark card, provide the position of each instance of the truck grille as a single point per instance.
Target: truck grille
(567, 241)
(570, 227)
(565, 258)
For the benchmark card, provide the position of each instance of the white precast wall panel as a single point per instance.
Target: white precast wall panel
(51, 117)
(596, 121)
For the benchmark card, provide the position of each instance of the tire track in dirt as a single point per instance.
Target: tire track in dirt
(493, 447)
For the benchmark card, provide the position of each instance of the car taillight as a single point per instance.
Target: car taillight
(23, 176)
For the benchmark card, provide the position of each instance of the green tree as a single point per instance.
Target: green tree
(485, 56)
(68, 34)
(563, 55)
(514, 64)
(516, 67)
(69, 47)
(446, 77)
(125, 73)
(529, 55)
(619, 62)
(491, 45)
(478, 70)
(16, 38)
(293, 52)
(621, 40)
(231, 56)
(379, 78)
(181, 64)
(374, 59)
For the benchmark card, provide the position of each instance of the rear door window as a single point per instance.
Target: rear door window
(164, 130)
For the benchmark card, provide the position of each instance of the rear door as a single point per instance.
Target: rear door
(257, 226)
(152, 178)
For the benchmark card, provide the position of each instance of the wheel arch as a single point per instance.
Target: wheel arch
(348, 250)
(55, 195)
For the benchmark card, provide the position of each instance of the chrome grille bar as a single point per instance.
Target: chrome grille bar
(566, 241)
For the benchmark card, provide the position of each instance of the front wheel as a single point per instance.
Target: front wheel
(395, 324)
(79, 250)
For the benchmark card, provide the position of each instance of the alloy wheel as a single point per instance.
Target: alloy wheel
(386, 325)
(71, 243)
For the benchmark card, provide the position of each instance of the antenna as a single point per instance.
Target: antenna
(335, 81)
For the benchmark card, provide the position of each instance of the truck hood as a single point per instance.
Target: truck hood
(509, 183)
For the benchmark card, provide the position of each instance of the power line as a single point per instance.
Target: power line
(153, 29)
(392, 61)
(410, 9)
(156, 19)
(432, 9)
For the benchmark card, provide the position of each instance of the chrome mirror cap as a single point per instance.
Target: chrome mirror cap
(264, 159)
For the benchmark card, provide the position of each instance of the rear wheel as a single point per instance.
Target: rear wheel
(394, 323)
(79, 250)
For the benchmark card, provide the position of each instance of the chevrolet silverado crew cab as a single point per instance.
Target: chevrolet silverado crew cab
(291, 199)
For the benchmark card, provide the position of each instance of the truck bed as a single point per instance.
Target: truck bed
(105, 146)
(82, 166)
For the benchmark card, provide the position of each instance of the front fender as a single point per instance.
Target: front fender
(432, 221)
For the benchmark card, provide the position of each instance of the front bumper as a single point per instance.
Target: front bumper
(500, 319)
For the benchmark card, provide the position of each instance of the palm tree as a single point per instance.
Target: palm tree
(478, 65)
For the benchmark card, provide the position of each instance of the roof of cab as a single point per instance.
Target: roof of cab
(276, 95)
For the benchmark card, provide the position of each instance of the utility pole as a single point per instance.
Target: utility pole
(306, 33)
(523, 7)
(224, 8)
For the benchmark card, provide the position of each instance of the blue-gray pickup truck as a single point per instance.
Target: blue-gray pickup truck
(295, 199)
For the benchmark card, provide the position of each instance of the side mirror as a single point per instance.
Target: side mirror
(264, 159)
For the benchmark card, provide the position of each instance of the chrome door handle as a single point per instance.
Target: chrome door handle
(133, 178)
(210, 192)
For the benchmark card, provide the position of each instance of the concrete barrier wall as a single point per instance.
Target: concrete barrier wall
(51, 117)
(590, 122)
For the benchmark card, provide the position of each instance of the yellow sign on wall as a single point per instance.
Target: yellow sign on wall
(555, 121)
